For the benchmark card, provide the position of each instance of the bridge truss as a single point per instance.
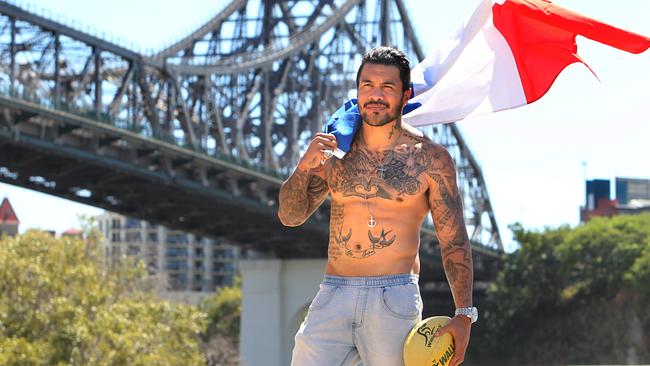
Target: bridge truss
(199, 135)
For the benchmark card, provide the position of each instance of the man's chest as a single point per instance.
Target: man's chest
(398, 175)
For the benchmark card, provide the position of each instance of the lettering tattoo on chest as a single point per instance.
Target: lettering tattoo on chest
(334, 249)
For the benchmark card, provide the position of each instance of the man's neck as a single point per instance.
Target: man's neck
(378, 138)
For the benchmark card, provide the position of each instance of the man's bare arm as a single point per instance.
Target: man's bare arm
(306, 188)
(447, 213)
(300, 196)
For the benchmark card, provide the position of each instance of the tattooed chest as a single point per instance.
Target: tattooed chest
(366, 176)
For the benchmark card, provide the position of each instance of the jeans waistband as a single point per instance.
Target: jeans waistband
(371, 281)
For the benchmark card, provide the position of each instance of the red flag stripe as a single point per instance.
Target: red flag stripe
(541, 37)
(489, 70)
(546, 12)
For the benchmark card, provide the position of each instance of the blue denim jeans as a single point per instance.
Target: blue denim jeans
(359, 319)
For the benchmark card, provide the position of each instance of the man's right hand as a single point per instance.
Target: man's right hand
(316, 151)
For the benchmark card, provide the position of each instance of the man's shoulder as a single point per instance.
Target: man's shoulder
(435, 156)
(412, 132)
(428, 146)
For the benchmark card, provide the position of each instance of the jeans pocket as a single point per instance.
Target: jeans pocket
(323, 297)
(402, 301)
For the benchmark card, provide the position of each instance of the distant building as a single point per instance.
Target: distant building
(633, 192)
(8, 220)
(73, 233)
(187, 267)
(632, 197)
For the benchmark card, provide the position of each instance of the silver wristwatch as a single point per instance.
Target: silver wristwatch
(471, 313)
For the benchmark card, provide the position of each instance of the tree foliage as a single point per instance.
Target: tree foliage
(561, 273)
(61, 305)
(223, 311)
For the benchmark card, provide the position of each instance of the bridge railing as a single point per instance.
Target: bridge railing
(125, 124)
(76, 24)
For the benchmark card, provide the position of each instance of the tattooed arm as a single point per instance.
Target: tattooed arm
(306, 188)
(300, 196)
(447, 212)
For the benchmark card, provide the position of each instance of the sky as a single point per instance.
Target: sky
(534, 159)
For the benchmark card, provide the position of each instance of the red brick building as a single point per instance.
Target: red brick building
(8, 220)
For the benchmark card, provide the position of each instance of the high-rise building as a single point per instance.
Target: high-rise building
(186, 266)
(631, 191)
(8, 220)
(632, 197)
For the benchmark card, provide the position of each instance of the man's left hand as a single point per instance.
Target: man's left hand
(459, 327)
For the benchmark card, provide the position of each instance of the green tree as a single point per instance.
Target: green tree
(223, 311)
(60, 305)
(550, 292)
(596, 258)
(638, 277)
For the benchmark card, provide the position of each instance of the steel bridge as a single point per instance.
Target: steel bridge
(199, 135)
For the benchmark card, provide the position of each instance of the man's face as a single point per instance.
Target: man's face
(380, 94)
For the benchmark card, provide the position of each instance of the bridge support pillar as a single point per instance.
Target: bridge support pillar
(275, 297)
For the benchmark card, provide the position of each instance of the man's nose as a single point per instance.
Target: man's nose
(376, 94)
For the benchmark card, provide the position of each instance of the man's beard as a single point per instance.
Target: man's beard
(381, 119)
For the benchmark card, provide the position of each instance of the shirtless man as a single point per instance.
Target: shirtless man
(381, 192)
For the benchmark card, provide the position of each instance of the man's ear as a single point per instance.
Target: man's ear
(406, 97)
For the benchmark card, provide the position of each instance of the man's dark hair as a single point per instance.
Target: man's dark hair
(388, 56)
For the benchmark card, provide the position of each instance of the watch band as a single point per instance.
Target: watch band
(470, 312)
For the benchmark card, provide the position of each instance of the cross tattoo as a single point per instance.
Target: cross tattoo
(381, 172)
